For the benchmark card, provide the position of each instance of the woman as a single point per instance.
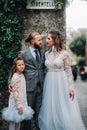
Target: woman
(59, 110)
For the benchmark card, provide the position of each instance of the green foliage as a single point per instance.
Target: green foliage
(62, 2)
(81, 61)
(78, 45)
(11, 27)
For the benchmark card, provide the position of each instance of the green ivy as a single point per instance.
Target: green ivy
(11, 28)
(62, 3)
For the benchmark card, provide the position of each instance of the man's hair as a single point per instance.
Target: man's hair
(31, 36)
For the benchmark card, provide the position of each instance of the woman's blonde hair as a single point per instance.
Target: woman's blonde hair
(13, 69)
(55, 35)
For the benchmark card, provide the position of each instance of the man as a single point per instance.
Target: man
(34, 74)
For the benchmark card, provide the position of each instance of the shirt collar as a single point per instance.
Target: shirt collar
(32, 49)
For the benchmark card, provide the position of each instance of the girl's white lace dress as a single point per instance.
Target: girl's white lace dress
(17, 99)
(58, 111)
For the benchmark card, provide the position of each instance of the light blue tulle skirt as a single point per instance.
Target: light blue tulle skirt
(11, 114)
(58, 111)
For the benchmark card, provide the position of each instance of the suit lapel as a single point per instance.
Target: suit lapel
(30, 55)
(33, 59)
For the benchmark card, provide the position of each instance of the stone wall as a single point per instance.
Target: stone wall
(43, 21)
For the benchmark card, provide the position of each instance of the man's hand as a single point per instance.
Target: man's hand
(9, 88)
(72, 94)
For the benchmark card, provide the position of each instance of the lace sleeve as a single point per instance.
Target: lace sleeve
(15, 89)
(67, 67)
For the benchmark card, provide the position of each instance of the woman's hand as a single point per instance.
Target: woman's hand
(72, 94)
(20, 110)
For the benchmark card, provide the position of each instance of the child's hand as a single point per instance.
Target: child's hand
(20, 110)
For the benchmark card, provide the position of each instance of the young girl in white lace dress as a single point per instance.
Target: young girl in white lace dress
(18, 109)
(59, 109)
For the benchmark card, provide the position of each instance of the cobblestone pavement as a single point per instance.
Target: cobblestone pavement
(81, 91)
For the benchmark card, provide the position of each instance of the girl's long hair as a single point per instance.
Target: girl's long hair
(13, 69)
(57, 40)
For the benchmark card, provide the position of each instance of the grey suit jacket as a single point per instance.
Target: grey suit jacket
(34, 72)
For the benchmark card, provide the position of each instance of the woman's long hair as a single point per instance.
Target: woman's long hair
(13, 69)
(57, 40)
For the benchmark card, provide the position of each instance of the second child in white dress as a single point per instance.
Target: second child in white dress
(18, 109)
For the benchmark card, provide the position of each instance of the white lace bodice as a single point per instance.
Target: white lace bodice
(59, 61)
(18, 94)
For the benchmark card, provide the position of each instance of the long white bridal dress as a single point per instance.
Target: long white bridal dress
(58, 110)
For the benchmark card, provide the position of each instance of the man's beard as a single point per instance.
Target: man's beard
(36, 46)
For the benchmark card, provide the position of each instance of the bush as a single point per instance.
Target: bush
(81, 61)
(11, 28)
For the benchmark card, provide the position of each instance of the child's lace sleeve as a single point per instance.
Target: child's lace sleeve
(16, 91)
(67, 67)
